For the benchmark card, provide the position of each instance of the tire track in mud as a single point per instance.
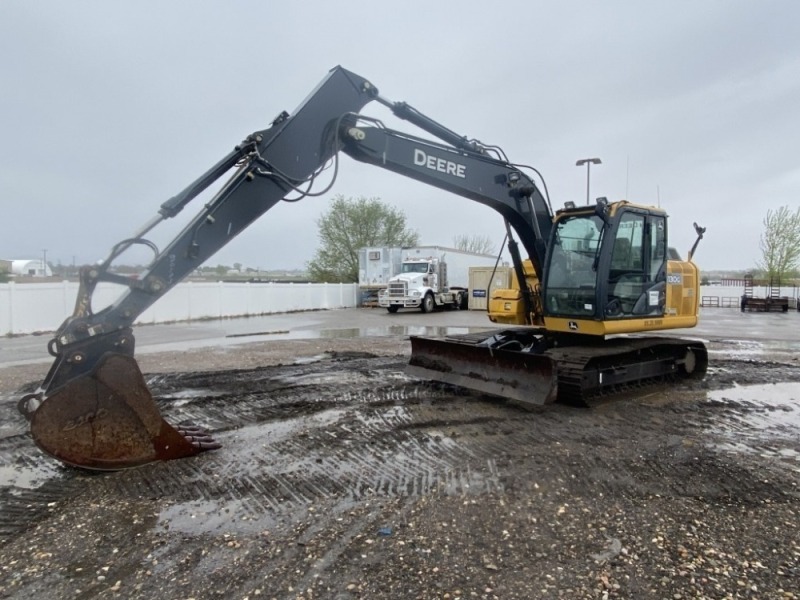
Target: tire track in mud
(399, 438)
(340, 430)
(291, 439)
(340, 454)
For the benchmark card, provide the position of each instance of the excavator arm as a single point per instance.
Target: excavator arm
(93, 409)
(270, 165)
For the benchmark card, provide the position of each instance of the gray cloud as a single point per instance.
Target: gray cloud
(110, 108)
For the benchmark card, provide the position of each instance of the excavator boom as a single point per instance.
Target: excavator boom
(93, 409)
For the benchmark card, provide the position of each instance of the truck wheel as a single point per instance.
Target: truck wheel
(427, 303)
(457, 300)
(392, 309)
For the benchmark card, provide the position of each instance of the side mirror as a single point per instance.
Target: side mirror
(700, 231)
(601, 210)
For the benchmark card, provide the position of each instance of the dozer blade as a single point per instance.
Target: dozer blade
(523, 378)
(107, 420)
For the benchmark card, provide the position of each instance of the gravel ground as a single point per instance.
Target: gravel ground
(352, 481)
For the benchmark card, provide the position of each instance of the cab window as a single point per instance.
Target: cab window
(572, 277)
(636, 277)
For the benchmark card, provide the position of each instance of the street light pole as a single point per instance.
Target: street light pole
(588, 162)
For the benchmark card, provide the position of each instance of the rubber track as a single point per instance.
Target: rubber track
(576, 366)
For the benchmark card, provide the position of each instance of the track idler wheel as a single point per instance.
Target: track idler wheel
(107, 420)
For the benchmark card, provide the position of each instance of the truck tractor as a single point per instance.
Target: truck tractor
(422, 283)
(432, 277)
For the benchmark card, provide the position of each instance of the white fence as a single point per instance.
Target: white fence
(33, 307)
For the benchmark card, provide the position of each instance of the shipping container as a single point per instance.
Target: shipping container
(480, 288)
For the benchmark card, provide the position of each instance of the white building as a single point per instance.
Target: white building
(31, 268)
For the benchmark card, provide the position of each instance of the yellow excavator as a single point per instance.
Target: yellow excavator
(608, 274)
(592, 277)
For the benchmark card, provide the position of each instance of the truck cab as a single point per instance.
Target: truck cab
(421, 283)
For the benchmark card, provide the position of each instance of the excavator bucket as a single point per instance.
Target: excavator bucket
(107, 420)
(523, 378)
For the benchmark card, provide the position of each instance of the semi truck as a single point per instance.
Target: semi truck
(432, 277)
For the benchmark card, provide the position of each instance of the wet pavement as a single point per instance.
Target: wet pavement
(752, 332)
(342, 323)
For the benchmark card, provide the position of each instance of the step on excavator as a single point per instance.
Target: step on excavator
(595, 282)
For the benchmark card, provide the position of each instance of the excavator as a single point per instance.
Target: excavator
(577, 323)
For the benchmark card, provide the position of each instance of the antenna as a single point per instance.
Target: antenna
(658, 195)
(627, 173)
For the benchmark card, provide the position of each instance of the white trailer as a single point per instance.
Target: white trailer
(432, 277)
(378, 264)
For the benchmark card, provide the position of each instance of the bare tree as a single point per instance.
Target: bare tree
(349, 225)
(780, 243)
(479, 244)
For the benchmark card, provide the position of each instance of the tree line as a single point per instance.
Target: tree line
(780, 244)
(354, 223)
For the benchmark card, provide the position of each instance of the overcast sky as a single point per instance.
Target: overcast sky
(109, 108)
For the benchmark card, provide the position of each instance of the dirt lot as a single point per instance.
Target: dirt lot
(341, 477)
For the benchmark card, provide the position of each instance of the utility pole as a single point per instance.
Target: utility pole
(44, 263)
(588, 162)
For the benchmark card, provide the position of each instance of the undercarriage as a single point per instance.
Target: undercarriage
(531, 367)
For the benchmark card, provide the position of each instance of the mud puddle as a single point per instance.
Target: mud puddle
(28, 476)
(234, 341)
(752, 349)
(342, 477)
(762, 419)
(201, 517)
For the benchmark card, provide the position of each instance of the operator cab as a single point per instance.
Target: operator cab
(607, 262)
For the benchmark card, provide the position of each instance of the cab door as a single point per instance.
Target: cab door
(636, 283)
